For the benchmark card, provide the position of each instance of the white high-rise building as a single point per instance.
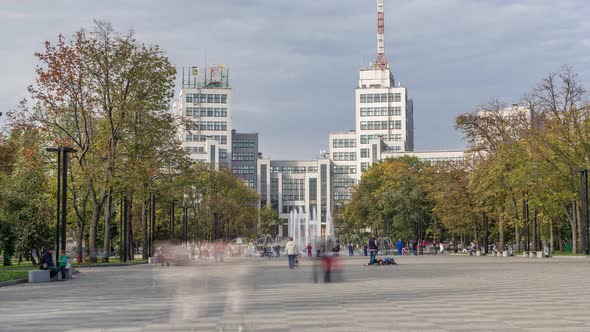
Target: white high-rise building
(204, 105)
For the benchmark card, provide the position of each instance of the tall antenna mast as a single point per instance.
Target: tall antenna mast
(380, 61)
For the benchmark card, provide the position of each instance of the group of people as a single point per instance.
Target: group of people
(48, 264)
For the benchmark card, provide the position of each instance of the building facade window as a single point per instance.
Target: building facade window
(206, 98)
(395, 124)
(243, 156)
(207, 125)
(343, 143)
(366, 138)
(344, 156)
(396, 137)
(392, 148)
(196, 150)
(364, 166)
(244, 169)
(364, 153)
(344, 183)
(344, 169)
(244, 143)
(223, 153)
(342, 196)
(293, 189)
(395, 111)
(287, 169)
(380, 97)
(206, 112)
(373, 125)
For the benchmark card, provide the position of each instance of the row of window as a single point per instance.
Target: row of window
(344, 143)
(381, 97)
(342, 196)
(244, 169)
(206, 98)
(222, 139)
(244, 143)
(364, 166)
(206, 111)
(381, 111)
(222, 153)
(364, 153)
(249, 183)
(392, 148)
(381, 125)
(344, 183)
(207, 125)
(243, 156)
(293, 169)
(195, 150)
(344, 156)
(392, 137)
(293, 189)
(344, 169)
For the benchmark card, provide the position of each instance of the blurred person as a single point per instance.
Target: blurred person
(337, 249)
(219, 250)
(192, 246)
(415, 248)
(291, 252)
(373, 248)
(309, 250)
(400, 247)
(350, 250)
(365, 249)
(47, 264)
(442, 247)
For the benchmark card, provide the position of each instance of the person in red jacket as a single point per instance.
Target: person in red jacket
(308, 250)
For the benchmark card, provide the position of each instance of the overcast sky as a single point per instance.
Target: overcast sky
(294, 64)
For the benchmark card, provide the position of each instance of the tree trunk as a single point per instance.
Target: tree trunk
(93, 232)
(501, 228)
(107, 227)
(551, 242)
(130, 229)
(517, 235)
(559, 240)
(144, 229)
(573, 223)
(534, 233)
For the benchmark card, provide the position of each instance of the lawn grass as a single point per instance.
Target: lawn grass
(14, 272)
(19, 271)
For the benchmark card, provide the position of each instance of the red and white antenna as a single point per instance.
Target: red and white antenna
(380, 61)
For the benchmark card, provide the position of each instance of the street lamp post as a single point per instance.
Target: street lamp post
(152, 223)
(62, 196)
(584, 210)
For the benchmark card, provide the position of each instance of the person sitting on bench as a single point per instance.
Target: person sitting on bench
(47, 264)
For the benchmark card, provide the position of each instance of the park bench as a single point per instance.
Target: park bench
(38, 276)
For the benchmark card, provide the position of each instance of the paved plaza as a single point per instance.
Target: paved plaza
(440, 293)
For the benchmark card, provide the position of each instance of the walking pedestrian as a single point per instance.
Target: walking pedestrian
(372, 250)
(308, 250)
(291, 252)
(350, 250)
(415, 248)
(365, 249)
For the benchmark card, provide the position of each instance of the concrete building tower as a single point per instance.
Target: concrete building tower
(384, 112)
(205, 106)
